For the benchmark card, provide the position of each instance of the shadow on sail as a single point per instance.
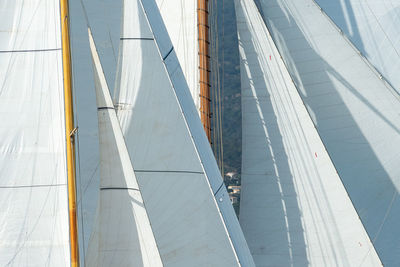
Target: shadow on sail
(266, 176)
(34, 213)
(187, 203)
(122, 235)
(294, 210)
(373, 27)
(355, 113)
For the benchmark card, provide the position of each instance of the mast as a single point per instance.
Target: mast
(70, 132)
(204, 66)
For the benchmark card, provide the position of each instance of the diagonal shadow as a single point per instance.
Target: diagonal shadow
(365, 178)
(270, 215)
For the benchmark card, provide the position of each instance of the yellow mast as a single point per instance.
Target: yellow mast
(70, 131)
(204, 66)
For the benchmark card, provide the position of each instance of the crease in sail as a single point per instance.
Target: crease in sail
(122, 234)
(180, 18)
(354, 111)
(34, 228)
(294, 207)
(191, 216)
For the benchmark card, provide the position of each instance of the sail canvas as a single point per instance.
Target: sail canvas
(180, 19)
(294, 208)
(122, 235)
(34, 228)
(353, 109)
(188, 206)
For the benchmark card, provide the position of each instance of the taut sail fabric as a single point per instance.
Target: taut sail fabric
(122, 234)
(374, 28)
(355, 112)
(34, 227)
(180, 18)
(192, 218)
(294, 209)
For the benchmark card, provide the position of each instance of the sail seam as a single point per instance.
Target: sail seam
(137, 38)
(192, 172)
(119, 188)
(100, 108)
(30, 50)
(31, 186)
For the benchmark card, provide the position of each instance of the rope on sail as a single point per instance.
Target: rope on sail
(109, 34)
(216, 100)
(388, 210)
(85, 13)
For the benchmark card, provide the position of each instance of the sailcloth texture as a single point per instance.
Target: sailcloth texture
(180, 18)
(34, 227)
(353, 109)
(122, 234)
(374, 28)
(192, 218)
(294, 209)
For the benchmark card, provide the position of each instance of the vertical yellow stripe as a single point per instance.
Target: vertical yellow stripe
(69, 127)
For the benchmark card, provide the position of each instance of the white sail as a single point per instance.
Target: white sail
(192, 219)
(374, 28)
(294, 208)
(34, 228)
(354, 111)
(122, 235)
(180, 18)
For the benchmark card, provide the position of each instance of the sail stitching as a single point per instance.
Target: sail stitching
(30, 186)
(177, 171)
(30, 50)
(119, 188)
(137, 38)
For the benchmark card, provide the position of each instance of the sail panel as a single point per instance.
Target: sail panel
(33, 173)
(180, 18)
(26, 25)
(144, 72)
(122, 235)
(294, 208)
(373, 27)
(157, 118)
(33, 230)
(354, 111)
